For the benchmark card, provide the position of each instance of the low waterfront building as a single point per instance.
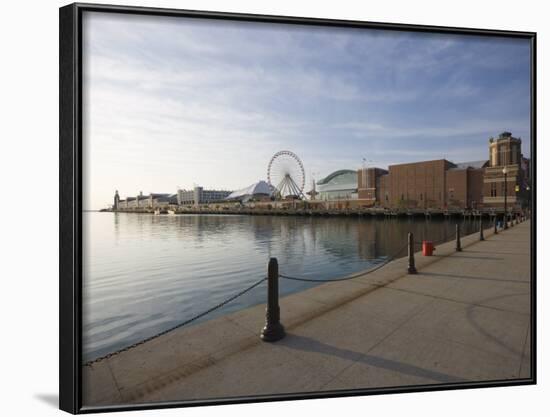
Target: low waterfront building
(142, 201)
(198, 195)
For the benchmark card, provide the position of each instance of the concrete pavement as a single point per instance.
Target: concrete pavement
(464, 317)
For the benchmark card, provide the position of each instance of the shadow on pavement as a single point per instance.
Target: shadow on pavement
(311, 345)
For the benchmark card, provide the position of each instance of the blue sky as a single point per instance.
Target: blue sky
(173, 102)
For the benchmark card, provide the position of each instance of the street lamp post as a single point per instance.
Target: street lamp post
(505, 172)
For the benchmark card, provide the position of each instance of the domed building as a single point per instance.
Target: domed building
(340, 185)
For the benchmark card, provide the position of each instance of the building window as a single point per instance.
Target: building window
(493, 189)
(386, 196)
(421, 197)
(503, 188)
(402, 197)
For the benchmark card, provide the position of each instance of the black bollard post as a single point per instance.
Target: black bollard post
(481, 237)
(496, 228)
(458, 247)
(412, 268)
(273, 329)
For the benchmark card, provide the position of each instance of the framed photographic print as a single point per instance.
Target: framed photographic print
(259, 208)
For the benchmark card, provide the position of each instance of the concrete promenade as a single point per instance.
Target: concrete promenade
(464, 317)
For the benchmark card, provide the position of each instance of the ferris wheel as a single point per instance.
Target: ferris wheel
(285, 173)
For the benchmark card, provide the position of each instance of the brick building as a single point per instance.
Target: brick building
(368, 184)
(426, 185)
(144, 201)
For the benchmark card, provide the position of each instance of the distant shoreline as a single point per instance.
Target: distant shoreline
(357, 212)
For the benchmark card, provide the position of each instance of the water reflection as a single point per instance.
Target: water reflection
(144, 273)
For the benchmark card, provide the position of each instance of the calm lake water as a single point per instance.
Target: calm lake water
(144, 273)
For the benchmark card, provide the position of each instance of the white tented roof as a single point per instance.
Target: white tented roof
(260, 187)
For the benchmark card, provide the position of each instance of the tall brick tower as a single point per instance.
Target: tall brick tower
(504, 151)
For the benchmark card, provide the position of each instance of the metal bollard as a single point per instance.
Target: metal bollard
(481, 237)
(273, 329)
(458, 247)
(412, 268)
(496, 228)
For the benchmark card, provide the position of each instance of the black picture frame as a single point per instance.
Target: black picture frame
(70, 203)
